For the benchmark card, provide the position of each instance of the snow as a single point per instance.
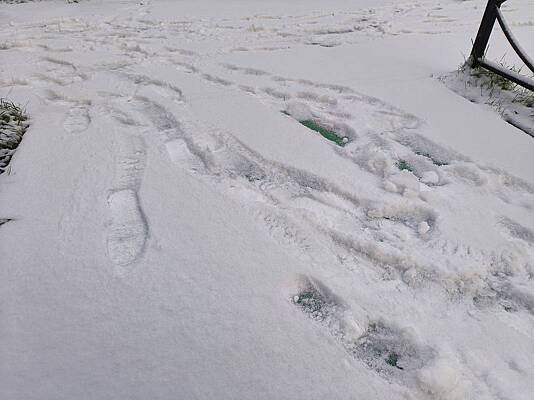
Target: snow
(299, 111)
(169, 229)
(430, 177)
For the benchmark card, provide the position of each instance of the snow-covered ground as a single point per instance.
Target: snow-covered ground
(169, 230)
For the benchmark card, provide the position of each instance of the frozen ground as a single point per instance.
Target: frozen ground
(169, 230)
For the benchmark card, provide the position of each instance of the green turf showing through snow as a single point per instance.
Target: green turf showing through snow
(326, 133)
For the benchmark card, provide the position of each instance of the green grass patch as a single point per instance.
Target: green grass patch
(310, 301)
(393, 359)
(403, 165)
(525, 97)
(13, 124)
(11, 113)
(433, 159)
(490, 80)
(325, 132)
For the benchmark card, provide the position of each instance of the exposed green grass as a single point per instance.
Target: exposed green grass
(490, 80)
(393, 359)
(433, 159)
(525, 97)
(325, 132)
(13, 125)
(510, 100)
(403, 165)
(11, 112)
(311, 301)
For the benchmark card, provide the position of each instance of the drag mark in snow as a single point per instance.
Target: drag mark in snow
(60, 72)
(507, 295)
(160, 87)
(216, 79)
(315, 202)
(179, 145)
(387, 226)
(517, 230)
(417, 217)
(128, 228)
(382, 347)
(382, 136)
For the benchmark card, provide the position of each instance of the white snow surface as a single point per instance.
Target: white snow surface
(169, 230)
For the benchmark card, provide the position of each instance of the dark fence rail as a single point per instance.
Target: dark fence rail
(491, 14)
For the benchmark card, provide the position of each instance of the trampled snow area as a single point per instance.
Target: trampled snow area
(169, 230)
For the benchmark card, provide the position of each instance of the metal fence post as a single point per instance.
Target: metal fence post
(484, 32)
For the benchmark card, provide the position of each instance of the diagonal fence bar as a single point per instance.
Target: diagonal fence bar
(511, 75)
(513, 41)
(493, 13)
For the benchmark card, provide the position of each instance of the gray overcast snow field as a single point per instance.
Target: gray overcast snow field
(286, 199)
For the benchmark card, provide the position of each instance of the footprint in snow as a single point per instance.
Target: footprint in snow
(77, 120)
(128, 228)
